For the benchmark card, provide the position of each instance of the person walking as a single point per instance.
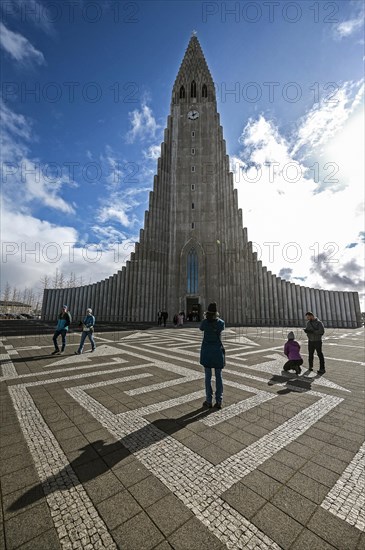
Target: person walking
(212, 355)
(291, 350)
(88, 325)
(63, 322)
(314, 331)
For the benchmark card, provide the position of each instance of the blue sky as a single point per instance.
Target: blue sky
(86, 90)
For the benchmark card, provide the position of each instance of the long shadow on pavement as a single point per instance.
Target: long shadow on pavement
(91, 467)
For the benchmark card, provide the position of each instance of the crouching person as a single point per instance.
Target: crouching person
(291, 350)
(87, 331)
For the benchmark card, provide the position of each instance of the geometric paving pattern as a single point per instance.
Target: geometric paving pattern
(113, 450)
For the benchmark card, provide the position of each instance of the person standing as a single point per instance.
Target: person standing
(164, 316)
(314, 330)
(63, 322)
(291, 350)
(212, 355)
(88, 325)
(159, 318)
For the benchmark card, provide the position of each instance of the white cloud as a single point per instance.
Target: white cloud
(144, 125)
(25, 179)
(352, 25)
(324, 121)
(152, 153)
(19, 47)
(32, 248)
(301, 224)
(31, 11)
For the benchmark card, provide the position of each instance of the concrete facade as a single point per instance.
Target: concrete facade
(193, 248)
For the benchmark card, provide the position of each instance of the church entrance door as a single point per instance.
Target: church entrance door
(193, 309)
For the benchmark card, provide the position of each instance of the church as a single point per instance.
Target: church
(193, 248)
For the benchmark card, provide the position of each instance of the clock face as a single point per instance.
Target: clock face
(193, 115)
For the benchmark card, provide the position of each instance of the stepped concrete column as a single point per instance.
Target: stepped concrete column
(290, 303)
(343, 311)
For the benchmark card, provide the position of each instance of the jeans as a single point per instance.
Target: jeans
(63, 333)
(312, 347)
(218, 384)
(293, 364)
(83, 338)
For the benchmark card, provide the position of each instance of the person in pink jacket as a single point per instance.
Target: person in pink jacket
(291, 350)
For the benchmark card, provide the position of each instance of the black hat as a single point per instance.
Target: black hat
(212, 308)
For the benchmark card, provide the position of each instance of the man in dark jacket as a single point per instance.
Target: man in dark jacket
(314, 331)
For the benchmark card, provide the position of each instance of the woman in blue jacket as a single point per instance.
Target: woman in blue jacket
(87, 331)
(212, 355)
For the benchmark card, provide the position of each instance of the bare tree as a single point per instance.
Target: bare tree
(56, 278)
(7, 291)
(45, 281)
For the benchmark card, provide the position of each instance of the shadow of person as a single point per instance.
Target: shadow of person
(293, 382)
(97, 457)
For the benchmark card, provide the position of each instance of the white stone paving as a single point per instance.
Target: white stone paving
(346, 499)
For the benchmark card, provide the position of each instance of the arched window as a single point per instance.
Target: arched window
(204, 91)
(192, 272)
(193, 89)
(182, 92)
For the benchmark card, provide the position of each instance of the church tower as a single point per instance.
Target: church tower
(193, 248)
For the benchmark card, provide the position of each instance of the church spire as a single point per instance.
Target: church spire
(193, 79)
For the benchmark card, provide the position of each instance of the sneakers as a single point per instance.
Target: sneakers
(310, 368)
(61, 352)
(55, 352)
(218, 405)
(93, 350)
(298, 370)
(208, 405)
(77, 352)
(321, 371)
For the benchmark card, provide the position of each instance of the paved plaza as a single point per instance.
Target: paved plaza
(113, 449)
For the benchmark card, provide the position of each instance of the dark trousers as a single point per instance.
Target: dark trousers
(63, 333)
(312, 347)
(293, 364)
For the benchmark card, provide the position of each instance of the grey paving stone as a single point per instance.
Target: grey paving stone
(18, 480)
(290, 459)
(334, 531)
(21, 500)
(118, 508)
(243, 437)
(194, 536)
(301, 450)
(243, 499)
(17, 462)
(294, 504)
(137, 533)
(27, 525)
(331, 463)
(46, 541)
(229, 444)
(308, 540)
(103, 486)
(262, 484)
(277, 525)
(309, 488)
(148, 491)
(213, 453)
(277, 470)
(74, 443)
(169, 514)
(131, 473)
(319, 473)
